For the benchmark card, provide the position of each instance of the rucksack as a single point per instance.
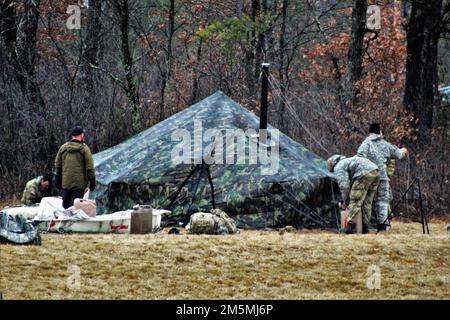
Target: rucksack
(16, 230)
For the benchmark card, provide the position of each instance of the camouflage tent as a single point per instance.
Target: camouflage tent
(298, 190)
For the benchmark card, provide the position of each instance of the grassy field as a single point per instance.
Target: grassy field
(251, 265)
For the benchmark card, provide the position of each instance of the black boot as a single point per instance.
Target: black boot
(381, 228)
(365, 229)
(351, 228)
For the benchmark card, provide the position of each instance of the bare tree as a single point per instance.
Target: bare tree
(356, 45)
(90, 55)
(421, 90)
(123, 12)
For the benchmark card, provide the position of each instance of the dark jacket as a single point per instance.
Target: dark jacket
(75, 165)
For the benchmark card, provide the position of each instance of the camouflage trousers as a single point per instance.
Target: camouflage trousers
(362, 194)
(381, 204)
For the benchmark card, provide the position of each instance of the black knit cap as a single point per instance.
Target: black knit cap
(76, 131)
(375, 128)
(48, 177)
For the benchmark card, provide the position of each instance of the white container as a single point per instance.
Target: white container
(108, 223)
(156, 219)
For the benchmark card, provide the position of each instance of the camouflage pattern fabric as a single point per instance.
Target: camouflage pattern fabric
(362, 194)
(202, 223)
(348, 170)
(140, 171)
(216, 222)
(16, 230)
(390, 167)
(225, 225)
(32, 193)
(379, 151)
(381, 201)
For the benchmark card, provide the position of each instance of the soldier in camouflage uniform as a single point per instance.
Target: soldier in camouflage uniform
(379, 151)
(36, 189)
(358, 179)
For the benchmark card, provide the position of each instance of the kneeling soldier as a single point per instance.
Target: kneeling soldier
(358, 179)
(36, 189)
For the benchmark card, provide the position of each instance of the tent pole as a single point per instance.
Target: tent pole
(175, 195)
(208, 171)
(195, 191)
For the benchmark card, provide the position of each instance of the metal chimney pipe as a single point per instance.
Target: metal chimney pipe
(264, 103)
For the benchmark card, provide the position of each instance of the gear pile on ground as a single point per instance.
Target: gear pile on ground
(16, 230)
(216, 222)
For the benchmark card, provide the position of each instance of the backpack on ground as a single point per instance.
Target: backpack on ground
(16, 230)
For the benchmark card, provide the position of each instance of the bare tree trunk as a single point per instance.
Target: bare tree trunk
(195, 85)
(281, 70)
(8, 27)
(90, 56)
(250, 54)
(356, 45)
(127, 61)
(24, 56)
(421, 89)
(26, 53)
(260, 44)
(167, 73)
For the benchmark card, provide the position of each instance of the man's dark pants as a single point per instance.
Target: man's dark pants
(70, 195)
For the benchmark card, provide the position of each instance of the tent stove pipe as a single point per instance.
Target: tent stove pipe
(264, 95)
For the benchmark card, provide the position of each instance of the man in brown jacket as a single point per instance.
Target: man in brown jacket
(74, 168)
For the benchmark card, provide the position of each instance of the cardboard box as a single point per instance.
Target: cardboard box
(357, 220)
(88, 206)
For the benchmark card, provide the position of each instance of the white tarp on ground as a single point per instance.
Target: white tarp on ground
(117, 222)
(50, 208)
(47, 208)
(51, 216)
(29, 212)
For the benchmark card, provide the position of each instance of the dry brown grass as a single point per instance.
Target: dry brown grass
(251, 265)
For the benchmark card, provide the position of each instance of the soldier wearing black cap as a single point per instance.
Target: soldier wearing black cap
(74, 167)
(379, 151)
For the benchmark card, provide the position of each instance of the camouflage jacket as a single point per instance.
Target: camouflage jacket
(379, 151)
(350, 169)
(32, 193)
(390, 167)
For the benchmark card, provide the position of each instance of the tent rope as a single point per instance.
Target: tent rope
(276, 82)
(296, 118)
(297, 210)
(303, 204)
(277, 85)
